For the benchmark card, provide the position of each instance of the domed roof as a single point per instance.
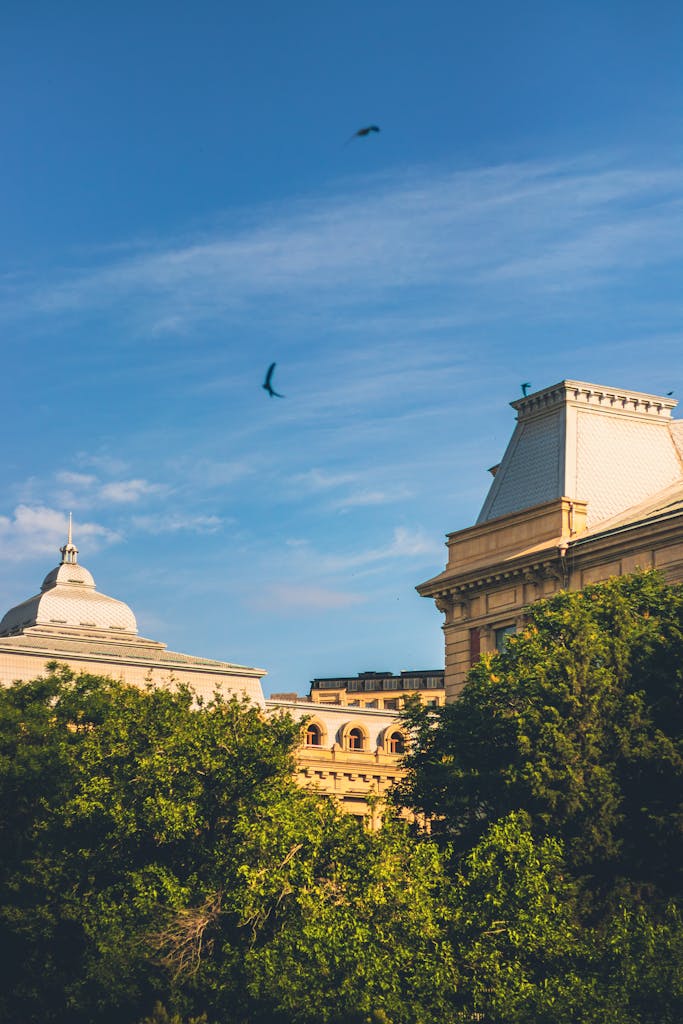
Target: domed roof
(68, 572)
(68, 599)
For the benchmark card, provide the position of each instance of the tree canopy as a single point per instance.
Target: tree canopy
(157, 852)
(159, 865)
(578, 722)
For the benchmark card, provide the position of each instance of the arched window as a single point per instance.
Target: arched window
(314, 735)
(355, 739)
(396, 743)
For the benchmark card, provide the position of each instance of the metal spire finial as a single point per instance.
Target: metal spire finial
(69, 552)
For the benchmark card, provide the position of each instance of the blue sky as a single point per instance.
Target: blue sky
(180, 207)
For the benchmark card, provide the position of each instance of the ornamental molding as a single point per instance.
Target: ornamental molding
(594, 396)
(588, 550)
(452, 593)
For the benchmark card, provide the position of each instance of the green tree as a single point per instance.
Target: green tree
(578, 723)
(119, 809)
(516, 923)
(160, 864)
(158, 859)
(359, 930)
(527, 955)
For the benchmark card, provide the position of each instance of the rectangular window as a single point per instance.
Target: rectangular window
(475, 645)
(502, 634)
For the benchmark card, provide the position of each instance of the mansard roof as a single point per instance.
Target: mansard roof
(609, 447)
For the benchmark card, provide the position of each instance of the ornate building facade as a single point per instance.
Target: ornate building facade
(350, 754)
(590, 486)
(380, 689)
(70, 621)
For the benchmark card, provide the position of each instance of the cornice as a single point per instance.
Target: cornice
(554, 561)
(314, 708)
(527, 570)
(594, 396)
(659, 525)
(166, 664)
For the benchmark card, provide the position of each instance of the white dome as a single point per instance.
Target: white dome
(66, 573)
(68, 598)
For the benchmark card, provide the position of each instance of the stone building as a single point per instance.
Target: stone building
(349, 754)
(590, 486)
(70, 621)
(352, 754)
(380, 689)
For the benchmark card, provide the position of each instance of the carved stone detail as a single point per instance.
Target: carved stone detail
(552, 571)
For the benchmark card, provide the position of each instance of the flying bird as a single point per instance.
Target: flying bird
(363, 132)
(267, 382)
(525, 388)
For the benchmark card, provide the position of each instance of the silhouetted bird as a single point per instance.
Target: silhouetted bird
(267, 385)
(669, 394)
(363, 132)
(525, 388)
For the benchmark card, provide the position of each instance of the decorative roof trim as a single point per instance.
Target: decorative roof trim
(165, 660)
(597, 396)
(545, 564)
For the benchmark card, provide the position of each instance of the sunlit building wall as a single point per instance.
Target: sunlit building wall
(590, 486)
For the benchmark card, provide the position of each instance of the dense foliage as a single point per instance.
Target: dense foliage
(160, 866)
(579, 722)
(158, 862)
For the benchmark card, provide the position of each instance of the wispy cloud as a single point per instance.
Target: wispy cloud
(363, 499)
(85, 490)
(211, 473)
(82, 492)
(322, 480)
(540, 225)
(406, 543)
(409, 543)
(177, 522)
(75, 479)
(39, 530)
(288, 599)
(127, 491)
(102, 462)
(601, 249)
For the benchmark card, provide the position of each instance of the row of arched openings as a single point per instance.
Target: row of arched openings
(356, 739)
